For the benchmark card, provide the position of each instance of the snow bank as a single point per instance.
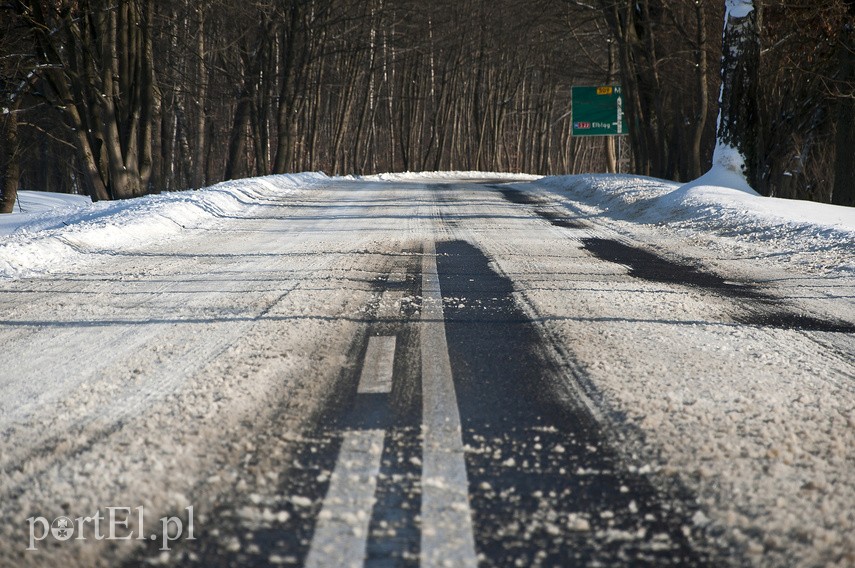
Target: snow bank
(727, 169)
(818, 236)
(49, 230)
(40, 201)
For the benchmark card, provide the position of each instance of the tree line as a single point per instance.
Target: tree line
(120, 98)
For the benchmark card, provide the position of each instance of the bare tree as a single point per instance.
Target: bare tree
(99, 73)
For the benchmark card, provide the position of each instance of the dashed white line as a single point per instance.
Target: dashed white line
(378, 366)
(447, 536)
(342, 528)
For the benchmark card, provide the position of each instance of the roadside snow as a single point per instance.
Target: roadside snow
(54, 230)
(726, 173)
(820, 238)
(32, 202)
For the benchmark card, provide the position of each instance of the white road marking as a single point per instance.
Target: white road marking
(447, 536)
(342, 529)
(378, 366)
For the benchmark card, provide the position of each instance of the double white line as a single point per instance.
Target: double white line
(446, 519)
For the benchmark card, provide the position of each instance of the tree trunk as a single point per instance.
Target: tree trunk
(626, 23)
(292, 67)
(201, 116)
(10, 165)
(844, 163)
(702, 77)
(151, 101)
(738, 123)
(236, 164)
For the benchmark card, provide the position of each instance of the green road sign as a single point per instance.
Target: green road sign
(598, 111)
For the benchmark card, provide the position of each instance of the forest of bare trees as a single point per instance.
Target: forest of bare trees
(119, 98)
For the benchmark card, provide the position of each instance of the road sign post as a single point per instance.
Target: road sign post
(598, 111)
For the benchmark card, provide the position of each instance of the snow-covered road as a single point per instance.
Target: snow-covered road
(295, 367)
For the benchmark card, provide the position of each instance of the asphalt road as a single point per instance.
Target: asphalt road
(429, 374)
